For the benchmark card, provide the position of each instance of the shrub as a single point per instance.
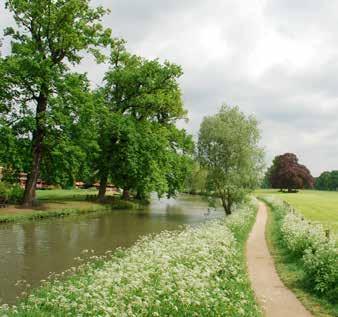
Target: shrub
(4, 190)
(15, 194)
(12, 193)
(321, 266)
(317, 253)
(300, 235)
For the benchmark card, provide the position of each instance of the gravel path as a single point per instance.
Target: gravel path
(275, 299)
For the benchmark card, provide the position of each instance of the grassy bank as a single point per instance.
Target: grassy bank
(31, 215)
(290, 267)
(61, 203)
(317, 206)
(199, 271)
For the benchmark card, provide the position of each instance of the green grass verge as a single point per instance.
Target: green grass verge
(290, 269)
(199, 271)
(57, 212)
(39, 215)
(317, 206)
(65, 194)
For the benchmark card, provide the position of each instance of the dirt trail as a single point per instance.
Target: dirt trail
(275, 299)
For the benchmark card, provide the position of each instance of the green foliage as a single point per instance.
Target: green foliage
(12, 193)
(15, 194)
(71, 139)
(142, 158)
(4, 190)
(195, 182)
(321, 268)
(327, 181)
(140, 147)
(266, 180)
(228, 149)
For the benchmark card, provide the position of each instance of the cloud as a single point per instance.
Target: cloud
(276, 59)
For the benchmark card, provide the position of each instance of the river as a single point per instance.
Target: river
(30, 251)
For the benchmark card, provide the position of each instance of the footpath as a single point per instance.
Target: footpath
(275, 299)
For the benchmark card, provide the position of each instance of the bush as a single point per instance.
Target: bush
(12, 193)
(4, 191)
(321, 266)
(15, 194)
(308, 242)
(300, 235)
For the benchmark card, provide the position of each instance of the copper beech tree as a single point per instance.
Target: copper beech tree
(287, 174)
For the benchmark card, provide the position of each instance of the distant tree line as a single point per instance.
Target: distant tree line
(327, 181)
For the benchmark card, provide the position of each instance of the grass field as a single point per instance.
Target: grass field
(317, 206)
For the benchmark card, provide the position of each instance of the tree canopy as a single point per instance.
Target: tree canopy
(287, 173)
(228, 149)
(141, 149)
(327, 181)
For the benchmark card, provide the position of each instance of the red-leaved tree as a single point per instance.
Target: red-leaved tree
(287, 174)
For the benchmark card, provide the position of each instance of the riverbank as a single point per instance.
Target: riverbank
(62, 203)
(200, 270)
(290, 264)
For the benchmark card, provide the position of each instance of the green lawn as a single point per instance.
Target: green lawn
(317, 206)
(65, 194)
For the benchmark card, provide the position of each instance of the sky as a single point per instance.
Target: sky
(277, 60)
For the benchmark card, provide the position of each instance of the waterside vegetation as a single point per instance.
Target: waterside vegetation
(305, 257)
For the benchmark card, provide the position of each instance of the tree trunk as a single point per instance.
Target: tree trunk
(125, 194)
(103, 187)
(226, 206)
(37, 142)
(227, 210)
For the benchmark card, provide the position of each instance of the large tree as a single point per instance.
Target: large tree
(228, 149)
(50, 37)
(287, 173)
(145, 95)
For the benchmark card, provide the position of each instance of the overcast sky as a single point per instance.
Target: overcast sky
(276, 59)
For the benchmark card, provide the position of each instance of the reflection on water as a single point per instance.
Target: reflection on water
(29, 251)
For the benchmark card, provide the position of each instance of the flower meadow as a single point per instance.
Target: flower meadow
(309, 242)
(198, 271)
